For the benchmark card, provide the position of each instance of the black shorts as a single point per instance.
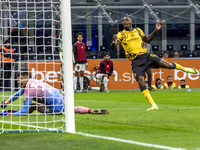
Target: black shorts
(142, 62)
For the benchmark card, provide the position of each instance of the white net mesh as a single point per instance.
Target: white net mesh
(32, 27)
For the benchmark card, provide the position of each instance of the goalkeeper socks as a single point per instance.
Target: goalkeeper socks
(81, 83)
(147, 95)
(82, 110)
(105, 81)
(178, 67)
(75, 83)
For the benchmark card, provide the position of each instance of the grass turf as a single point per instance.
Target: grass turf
(175, 124)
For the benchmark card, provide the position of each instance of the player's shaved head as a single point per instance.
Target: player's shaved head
(127, 23)
(129, 18)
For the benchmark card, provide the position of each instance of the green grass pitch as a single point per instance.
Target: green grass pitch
(175, 124)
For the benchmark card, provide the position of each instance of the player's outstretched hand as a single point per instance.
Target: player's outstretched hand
(5, 113)
(159, 25)
(3, 104)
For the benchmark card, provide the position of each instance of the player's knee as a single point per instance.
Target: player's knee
(76, 74)
(76, 109)
(141, 81)
(81, 74)
(105, 75)
(170, 66)
(102, 88)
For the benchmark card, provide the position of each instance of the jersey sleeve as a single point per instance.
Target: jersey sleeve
(141, 33)
(16, 95)
(25, 107)
(119, 37)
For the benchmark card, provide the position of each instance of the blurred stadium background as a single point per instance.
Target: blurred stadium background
(99, 21)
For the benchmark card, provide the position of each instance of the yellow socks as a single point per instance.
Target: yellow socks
(147, 95)
(178, 67)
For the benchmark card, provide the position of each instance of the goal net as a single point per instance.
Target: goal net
(30, 40)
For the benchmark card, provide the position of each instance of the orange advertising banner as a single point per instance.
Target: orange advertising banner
(50, 72)
(47, 71)
(124, 78)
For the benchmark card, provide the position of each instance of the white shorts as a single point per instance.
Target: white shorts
(99, 77)
(80, 67)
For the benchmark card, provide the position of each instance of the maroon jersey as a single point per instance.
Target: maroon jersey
(106, 67)
(81, 52)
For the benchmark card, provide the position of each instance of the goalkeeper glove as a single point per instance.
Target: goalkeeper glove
(4, 103)
(4, 113)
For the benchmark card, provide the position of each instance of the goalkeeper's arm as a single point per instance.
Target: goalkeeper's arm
(25, 108)
(12, 98)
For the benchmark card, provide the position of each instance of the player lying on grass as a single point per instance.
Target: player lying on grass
(48, 99)
(132, 40)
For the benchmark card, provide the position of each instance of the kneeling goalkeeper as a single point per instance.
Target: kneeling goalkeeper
(48, 99)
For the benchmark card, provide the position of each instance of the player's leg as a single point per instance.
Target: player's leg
(101, 87)
(148, 71)
(139, 74)
(76, 77)
(32, 107)
(81, 81)
(82, 69)
(42, 108)
(84, 110)
(99, 77)
(105, 81)
(145, 92)
(173, 65)
(12, 111)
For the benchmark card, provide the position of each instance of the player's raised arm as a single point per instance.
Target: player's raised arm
(149, 38)
(114, 43)
(12, 98)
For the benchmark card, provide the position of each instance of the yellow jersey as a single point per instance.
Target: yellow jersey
(186, 86)
(154, 87)
(132, 42)
(173, 86)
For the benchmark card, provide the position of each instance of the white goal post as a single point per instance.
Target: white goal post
(68, 70)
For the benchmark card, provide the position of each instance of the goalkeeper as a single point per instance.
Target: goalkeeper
(48, 99)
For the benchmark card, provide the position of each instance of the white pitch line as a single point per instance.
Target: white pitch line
(131, 142)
